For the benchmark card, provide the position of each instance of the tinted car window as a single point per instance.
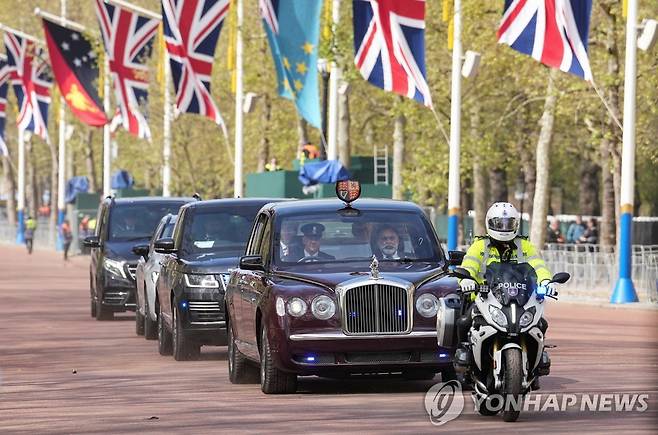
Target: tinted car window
(136, 221)
(224, 233)
(340, 237)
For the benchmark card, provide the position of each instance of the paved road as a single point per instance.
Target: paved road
(63, 372)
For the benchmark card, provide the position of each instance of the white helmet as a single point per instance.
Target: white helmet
(502, 221)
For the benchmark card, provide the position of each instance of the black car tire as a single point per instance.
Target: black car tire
(150, 326)
(273, 380)
(93, 308)
(418, 375)
(240, 370)
(184, 349)
(103, 313)
(164, 337)
(139, 323)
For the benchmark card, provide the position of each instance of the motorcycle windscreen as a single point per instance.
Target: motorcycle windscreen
(511, 282)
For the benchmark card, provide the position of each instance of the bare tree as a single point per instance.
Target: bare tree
(11, 190)
(344, 146)
(398, 154)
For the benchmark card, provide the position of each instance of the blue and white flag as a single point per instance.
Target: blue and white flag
(293, 29)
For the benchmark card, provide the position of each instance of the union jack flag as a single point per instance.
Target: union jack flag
(31, 81)
(389, 40)
(128, 40)
(5, 73)
(553, 32)
(191, 30)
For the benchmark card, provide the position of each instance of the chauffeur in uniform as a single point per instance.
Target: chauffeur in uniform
(311, 241)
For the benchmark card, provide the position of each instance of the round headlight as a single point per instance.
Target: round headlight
(323, 307)
(526, 318)
(427, 305)
(296, 307)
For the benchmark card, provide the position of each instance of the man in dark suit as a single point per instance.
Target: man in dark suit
(290, 245)
(311, 242)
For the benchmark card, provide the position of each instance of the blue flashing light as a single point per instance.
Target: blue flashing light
(541, 291)
(399, 313)
(183, 305)
(443, 355)
(310, 359)
(354, 314)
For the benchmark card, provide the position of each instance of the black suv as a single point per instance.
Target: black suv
(208, 238)
(121, 223)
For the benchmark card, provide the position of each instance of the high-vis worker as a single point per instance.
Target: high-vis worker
(501, 245)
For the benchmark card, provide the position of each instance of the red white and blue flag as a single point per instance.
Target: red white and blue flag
(5, 73)
(389, 40)
(128, 40)
(191, 31)
(554, 32)
(31, 81)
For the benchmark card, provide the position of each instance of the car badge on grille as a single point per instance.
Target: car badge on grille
(374, 268)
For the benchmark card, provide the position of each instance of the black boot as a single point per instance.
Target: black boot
(544, 366)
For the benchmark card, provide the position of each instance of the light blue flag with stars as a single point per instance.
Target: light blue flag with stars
(293, 29)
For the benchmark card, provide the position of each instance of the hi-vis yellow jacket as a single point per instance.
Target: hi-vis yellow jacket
(482, 253)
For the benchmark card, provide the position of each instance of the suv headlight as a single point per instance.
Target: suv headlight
(201, 281)
(115, 267)
(498, 316)
(427, 305)
(296, 307)
(323, 307)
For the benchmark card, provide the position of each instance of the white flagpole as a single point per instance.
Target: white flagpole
(237, 175)
(624, 291)
(107, 144)
(20, 204)
(61, 164)
(334, 80)
(455, 131)
(166, 151)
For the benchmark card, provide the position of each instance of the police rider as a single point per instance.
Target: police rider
(502, 244)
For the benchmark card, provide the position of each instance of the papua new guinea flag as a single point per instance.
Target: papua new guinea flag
(75, 67)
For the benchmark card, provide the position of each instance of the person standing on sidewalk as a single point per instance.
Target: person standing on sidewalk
(30, 229)
(67, 236)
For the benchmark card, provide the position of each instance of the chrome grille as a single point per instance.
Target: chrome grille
(376, 309)
(114, 297)
(205, 312)
(132, 269)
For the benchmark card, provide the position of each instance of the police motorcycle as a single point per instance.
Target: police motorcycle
(505, 355)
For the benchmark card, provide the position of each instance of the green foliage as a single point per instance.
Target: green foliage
(508, 94)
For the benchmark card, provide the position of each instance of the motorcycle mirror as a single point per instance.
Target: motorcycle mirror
(461, 273)
(561, 277)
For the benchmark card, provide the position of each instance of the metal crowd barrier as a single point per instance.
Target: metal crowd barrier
(594, 269)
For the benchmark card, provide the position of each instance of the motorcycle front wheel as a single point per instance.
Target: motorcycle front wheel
(513, 383)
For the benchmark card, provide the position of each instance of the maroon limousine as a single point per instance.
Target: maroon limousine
(331, 289)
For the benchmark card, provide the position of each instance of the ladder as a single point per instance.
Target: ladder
(380, 157)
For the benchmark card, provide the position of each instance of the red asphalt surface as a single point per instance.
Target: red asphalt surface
(63, 372)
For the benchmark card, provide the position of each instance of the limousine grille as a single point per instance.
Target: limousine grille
(205, 312)
(376, 309)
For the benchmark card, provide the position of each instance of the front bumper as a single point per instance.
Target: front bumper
(202, 315)
(118, 293)
(334, 353)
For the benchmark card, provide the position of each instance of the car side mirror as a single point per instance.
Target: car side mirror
(92, 242)
(455, 257)
(164, 246)
(252, 262)
(141, 250)
(561, 277)
(461, 273)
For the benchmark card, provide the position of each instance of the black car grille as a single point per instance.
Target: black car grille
(132, 269)
(112, 297)
(205, 312)
(376, 309)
